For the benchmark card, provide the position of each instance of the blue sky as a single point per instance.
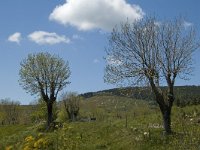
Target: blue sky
(77, 31)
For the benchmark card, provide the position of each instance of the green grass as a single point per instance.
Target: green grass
(139, 127)
(11, 134)
(9, 130)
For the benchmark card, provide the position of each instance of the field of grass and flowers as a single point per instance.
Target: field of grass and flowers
(121, 123)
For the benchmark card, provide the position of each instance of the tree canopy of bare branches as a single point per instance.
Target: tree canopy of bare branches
(71, 103)
(151, 52)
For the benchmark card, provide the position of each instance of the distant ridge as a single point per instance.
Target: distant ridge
(184, 95)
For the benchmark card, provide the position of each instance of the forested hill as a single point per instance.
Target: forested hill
(185, 95)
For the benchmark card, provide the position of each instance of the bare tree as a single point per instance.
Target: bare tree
(10, 111)
(71, 103)
(46, 75)
(151, 52)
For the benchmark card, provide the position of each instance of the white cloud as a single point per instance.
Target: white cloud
(16, 37)
(103, 32)
(76, 37)
(42, 37)
(113, 61)
(95, 14)
(96, 61)
(187, 24)
(157, 23)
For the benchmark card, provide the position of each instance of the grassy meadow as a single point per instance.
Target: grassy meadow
(121, 124)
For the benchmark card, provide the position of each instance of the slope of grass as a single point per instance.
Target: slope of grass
(11, 134)
(8, 130)
(121, 123)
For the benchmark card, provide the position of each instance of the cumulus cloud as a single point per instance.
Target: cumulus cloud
(187, 24)
(42, 37)
(95, 14)
(16, 37)
(96, 61)
(77, 37)
(111, 60)
(157, 23)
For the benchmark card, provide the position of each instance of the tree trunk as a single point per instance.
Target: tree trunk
(49, 117)
(72, 116)
(168, 108)
(165, 106)
(167, 120)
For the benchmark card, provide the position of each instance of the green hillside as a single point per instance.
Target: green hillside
(184, 95)
(121, 123)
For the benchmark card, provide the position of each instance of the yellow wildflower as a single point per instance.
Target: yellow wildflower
(39, 143)
(27, 148)
(40, 134)
(29, 138)
(9, 147)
